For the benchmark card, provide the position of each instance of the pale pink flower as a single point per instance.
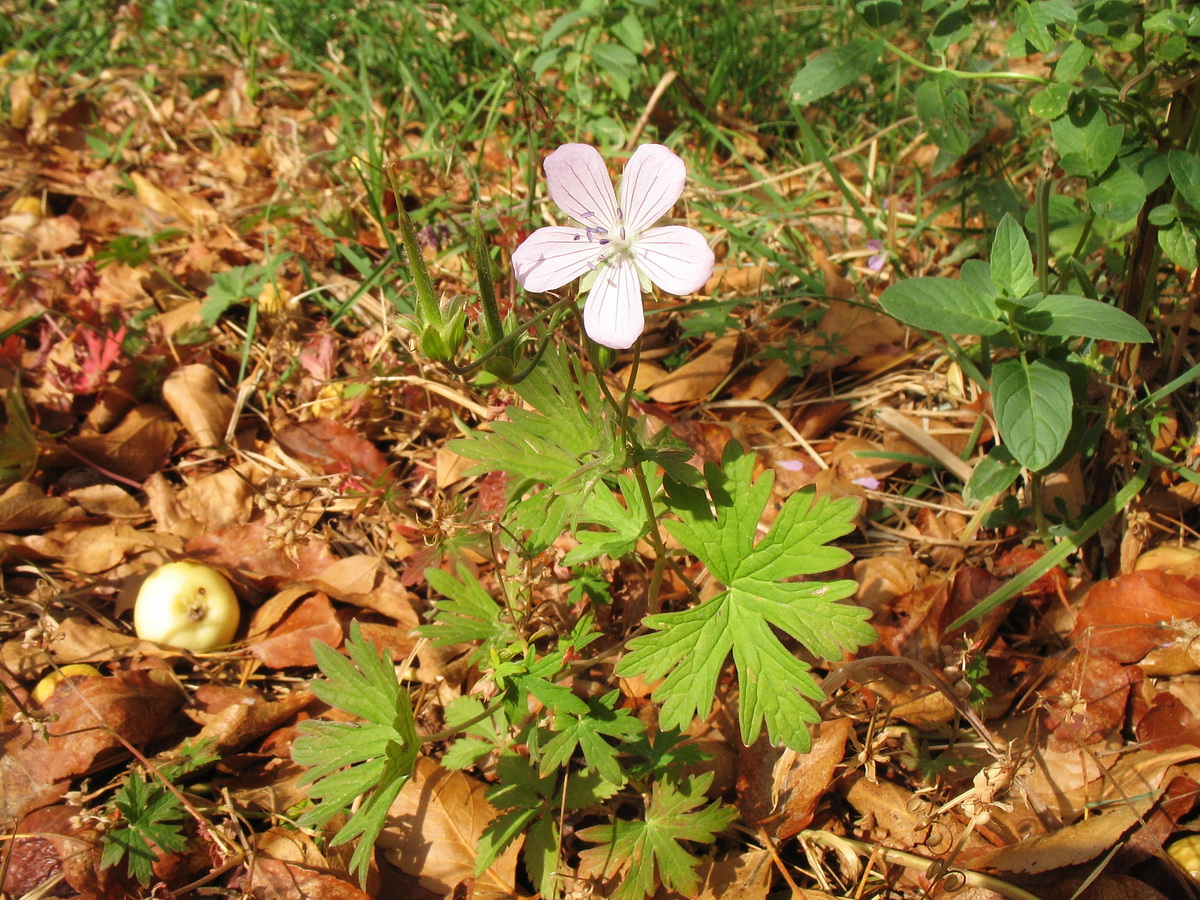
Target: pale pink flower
(614, 243)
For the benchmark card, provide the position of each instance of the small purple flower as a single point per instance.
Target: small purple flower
(614, 246)
(875, 263)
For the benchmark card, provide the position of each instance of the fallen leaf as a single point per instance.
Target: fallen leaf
(433, 832)
(890, 808)
(186, 209)
(1085, 701)
(99, 548)
(782, 794)
(290, 643)
(333, 448)
(194, 394)
(57, 840)
(1070, 846)
(137, 448)
(744, 876)
(1124, 617)
(251, 552)
(273, 879)
(109, 500)
(698, 377)
(24, 506)
(89, 714)
(247, 717)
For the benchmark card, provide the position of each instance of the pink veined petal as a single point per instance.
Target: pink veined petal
(652, 182)
(613, 315)
(676, 258)
(552, 256)
(580, 185)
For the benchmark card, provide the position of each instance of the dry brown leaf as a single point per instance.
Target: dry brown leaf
(194, 395)
(351, 575)
(99, 548)
(332, 447)
(109, 500)
(251, 551)
(796, 781)
(170, 516)
(273, 879)
(889, 807)
(450, 466)
(747, 279)
(137, 448)
(765, 382)
(433, 833)
(1121, 617)
(25, 506)
(1085, 702)
(881, 579)
(247, 718)
(220, 499)
(290, 643)
(697, 378)
(60, 841)
(850, 331)
(90, 712)
(746, 876)
(121, 287)
(1068, 846)
(188, 209)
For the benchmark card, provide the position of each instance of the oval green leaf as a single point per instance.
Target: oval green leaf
(942, 306)
(1033, 409)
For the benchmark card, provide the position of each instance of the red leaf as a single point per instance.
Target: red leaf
(333, 448)
(1125, 617)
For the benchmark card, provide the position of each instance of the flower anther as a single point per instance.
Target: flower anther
(614, 246)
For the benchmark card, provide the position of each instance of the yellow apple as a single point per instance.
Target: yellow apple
(44, 688)
(188, 605)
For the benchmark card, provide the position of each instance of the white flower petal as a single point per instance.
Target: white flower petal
(579, 183)
(677, 259)
(652, 182)
(613, 315)
(552, 256)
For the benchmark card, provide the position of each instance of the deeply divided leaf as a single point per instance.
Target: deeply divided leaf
(688, 649)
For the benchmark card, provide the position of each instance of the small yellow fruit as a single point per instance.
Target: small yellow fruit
(1186, 852)
(188, 605)
(47, 686)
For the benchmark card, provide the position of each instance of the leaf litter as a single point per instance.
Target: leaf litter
(313, 473)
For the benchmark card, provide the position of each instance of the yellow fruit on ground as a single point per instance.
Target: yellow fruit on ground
(187, 605)
(44, 688)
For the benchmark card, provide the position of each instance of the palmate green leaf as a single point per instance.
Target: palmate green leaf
(651, 847)
(532, 803)
(688, 649)
(466, 613)
(150, 818)
(18, 441)
(556, 453)
(587, 732)
(348, 760)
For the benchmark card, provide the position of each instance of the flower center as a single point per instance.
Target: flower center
(614, 239)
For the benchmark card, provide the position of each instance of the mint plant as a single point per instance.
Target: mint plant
(1034, 354)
